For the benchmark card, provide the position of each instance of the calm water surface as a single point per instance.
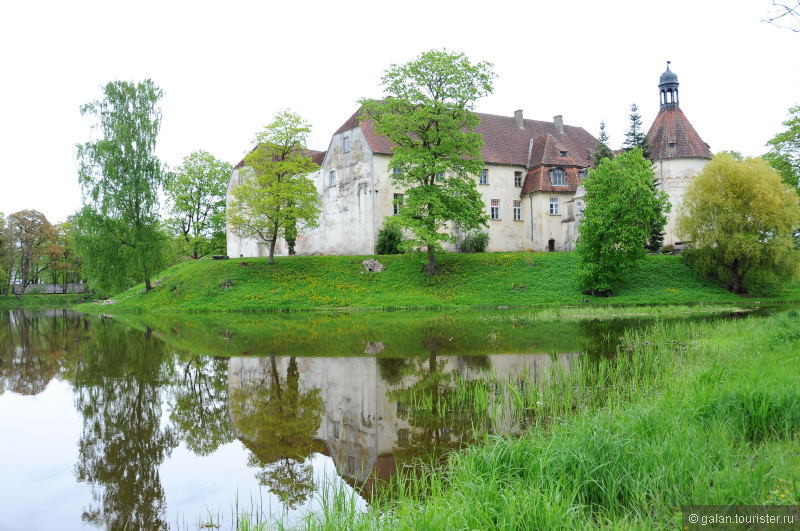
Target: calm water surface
(155, 422)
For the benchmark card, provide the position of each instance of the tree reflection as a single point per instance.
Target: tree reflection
(33, 346)
(122, 443)
(277, 421)
(435, 405)
(200, 407)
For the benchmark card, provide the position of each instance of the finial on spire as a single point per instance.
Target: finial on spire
(668, 63)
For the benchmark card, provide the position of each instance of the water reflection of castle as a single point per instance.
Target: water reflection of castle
(361, 421)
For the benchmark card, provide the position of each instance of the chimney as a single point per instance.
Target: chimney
(558, 121)
(518, 119)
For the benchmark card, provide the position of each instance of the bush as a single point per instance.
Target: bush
(475, 242)
(390, 238)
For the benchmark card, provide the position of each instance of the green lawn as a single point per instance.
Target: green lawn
(37, 301)
(467, 280)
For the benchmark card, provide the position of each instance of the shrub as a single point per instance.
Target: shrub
(390, 238)
(475, 242)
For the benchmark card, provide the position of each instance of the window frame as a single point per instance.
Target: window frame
(346, 144)
(554, 211)
(494, 209)
(332, 178)
(517, 210)
(484, 177)
(561, 173)
(397, 203)
(517, 179)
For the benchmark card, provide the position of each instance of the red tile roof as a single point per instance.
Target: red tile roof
(538, 180)
(503, 141)
(316, 156)
(672, 136)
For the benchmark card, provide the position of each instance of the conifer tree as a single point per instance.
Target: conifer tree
(603, 151)
(635, 137)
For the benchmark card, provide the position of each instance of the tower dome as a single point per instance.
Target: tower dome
(668, 88)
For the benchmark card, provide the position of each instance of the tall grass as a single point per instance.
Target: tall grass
(698, 414)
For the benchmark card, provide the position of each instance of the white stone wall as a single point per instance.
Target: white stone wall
(675, 176)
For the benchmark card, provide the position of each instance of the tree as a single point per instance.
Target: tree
(118, 228)
(196, 193)
(739, 216)
(276, 195)
(635, 137)
(785, 15)
(622, 206)
(784, 154)
(602, 151)
(427, 114)
(31, 234)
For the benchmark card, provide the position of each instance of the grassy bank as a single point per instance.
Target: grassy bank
(707, 413)
(38, 302)
(491, 279)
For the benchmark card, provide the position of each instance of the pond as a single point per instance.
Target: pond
(148, 422)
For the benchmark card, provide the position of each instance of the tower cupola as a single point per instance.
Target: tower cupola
(668, 88)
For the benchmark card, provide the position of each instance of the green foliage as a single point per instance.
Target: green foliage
(740, 217)
(196, 193)
(390, 238)
(275, 197)
(427, 112)
(30, 236)
(784, 154)
(118, 235)
(622, 207)
(635, 136)
(602, 151)
(475, 242)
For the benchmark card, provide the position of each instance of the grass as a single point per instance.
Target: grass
(689, 414)
(38, 301)
(466, 280)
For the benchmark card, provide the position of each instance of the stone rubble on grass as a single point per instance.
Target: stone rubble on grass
(372, 265)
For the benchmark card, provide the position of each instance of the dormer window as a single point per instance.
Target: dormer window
(557, 177)
(563, 153)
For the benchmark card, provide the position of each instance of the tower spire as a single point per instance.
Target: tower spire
(668, 88)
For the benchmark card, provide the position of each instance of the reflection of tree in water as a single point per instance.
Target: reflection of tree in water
(278, 422)
(117, 391)
(432, 405)
(200, 408)
(33, 346)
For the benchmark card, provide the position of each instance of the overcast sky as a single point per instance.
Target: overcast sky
(227, 67)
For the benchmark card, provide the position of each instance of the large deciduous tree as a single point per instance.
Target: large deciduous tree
(739, 217)
(427, 112)
(275, 197)
(196, 193)
(622, 206)
(31, 234)
(118, 228)
(784, 154)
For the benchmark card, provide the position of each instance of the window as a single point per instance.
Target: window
(495, 209)
(332, 178)
(517, 210)
(398, 203)
(395, 173)
(557, 177)
(553, 206)
(484, 177)
(562, 153)
(582, 174)
(402, 437)
(517, 179)
(439, 177)
(346, 144)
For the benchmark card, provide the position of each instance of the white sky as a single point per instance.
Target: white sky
(227, 67)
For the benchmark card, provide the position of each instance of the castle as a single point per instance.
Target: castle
(532, 171)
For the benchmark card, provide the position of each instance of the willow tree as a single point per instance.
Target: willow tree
(739, 216)
(276, 198)
(427, 112)
(118, 228)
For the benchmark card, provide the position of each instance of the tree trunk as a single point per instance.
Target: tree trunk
(736, 279)
(430, 268)
(147, 285)
(272, 250)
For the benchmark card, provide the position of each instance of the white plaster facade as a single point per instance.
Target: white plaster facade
(674, 176)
